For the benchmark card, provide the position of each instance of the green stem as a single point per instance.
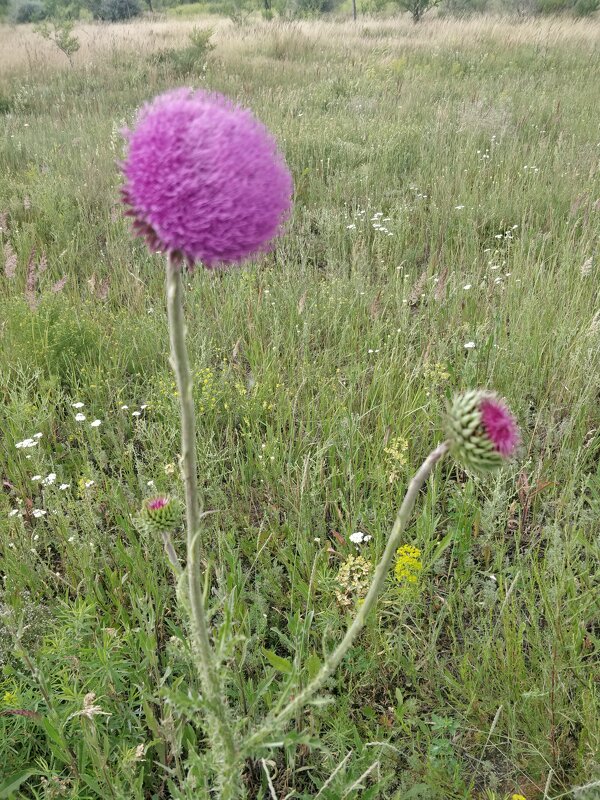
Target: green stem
(172, 555)
(228, 758)
(275, 723)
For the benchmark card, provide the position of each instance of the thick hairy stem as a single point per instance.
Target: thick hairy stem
(227, 755)
(275, 723)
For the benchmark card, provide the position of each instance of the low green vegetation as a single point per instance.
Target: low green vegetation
(445, 236)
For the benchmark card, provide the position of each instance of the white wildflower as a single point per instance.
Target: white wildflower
(469, 345)
(96, 423)
(26, 443)
(77, 405)
(89, 710)
(49, 479)
(79, 417)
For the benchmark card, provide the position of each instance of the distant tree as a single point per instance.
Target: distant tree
(417, 7)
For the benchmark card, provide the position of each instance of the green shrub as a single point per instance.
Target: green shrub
(53, 339)
(29, 11)
(583, 8)
(463, 8)
(117, 10)
(191, 59)
(552, 6)
(5, 103)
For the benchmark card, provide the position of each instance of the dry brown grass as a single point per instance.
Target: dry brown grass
(22, 49)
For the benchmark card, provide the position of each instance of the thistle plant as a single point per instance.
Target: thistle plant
(206, 185)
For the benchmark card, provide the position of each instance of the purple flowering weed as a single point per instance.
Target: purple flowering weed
(204, 179)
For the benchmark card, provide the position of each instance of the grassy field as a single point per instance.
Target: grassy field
(447, 193)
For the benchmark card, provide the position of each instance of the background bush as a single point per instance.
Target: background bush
(29, 11)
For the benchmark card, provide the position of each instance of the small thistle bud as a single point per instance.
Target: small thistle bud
(161, 514)
(482, 431)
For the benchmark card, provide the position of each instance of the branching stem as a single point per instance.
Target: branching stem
(276, 722)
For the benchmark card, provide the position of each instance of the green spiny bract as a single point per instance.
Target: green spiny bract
(161, 514)
(469, 442)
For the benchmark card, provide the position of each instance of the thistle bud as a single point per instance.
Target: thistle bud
(161, 514)
(482, 431)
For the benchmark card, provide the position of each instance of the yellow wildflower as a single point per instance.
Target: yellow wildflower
(435, 376)
(408, 564)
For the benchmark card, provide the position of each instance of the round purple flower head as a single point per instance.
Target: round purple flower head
(481, 429)
(500, 425)
(204, 179)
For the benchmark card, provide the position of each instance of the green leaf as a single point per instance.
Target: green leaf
(11, 784)
(90, 781)
(442, 546)
(313, 665)
(280, 664)
(53, 734)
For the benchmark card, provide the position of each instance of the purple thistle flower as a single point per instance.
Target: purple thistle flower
(204, 179)
(157, 503)
(500, 426)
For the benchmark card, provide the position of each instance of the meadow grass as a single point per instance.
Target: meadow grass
(447, 193)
